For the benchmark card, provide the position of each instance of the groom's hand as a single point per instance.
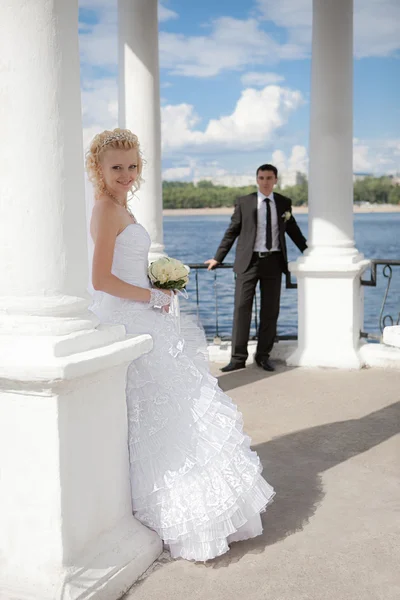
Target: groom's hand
(212, 263)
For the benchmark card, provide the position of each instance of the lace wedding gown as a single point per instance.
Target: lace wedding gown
(194, 478)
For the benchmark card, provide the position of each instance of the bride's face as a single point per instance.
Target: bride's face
(119, 169)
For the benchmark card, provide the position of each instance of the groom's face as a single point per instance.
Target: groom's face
(266, 181)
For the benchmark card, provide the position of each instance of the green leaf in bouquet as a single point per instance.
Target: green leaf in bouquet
(180, 284)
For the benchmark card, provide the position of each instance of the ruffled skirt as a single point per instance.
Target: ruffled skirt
(194, 478)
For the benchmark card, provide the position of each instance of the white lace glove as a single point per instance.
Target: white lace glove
(158, 298)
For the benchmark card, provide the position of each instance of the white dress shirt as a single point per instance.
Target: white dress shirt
(260, 243)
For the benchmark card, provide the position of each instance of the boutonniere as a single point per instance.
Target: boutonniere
(286, 216)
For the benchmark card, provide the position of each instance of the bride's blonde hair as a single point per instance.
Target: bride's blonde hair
(117, 139)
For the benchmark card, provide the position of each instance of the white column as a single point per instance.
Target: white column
(139, 106)
(66, 525)
(330, 294)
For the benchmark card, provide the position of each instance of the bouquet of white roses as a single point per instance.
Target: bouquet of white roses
(168, 274)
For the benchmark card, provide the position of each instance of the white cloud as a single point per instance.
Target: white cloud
(231, 45)
(361, 161)
(297, 161)
(166, 14)
(98, 41)
(177, 174)
(376, 24)
(257, 79)
(194, 169)
(376, 27)
(287, 13)
(376, 156)
(394, 147)
(99, 49)
(256, 116)
(178, 122)
(252, 124)
(189, 169)
(98, 46)
(234, 44)
(373, 156)
(99, 107)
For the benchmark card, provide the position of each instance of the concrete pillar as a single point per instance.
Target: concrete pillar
(330, 294)
(66, 524)
(139, 106)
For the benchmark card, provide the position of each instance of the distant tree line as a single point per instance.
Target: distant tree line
(377, 190)
(205, 194)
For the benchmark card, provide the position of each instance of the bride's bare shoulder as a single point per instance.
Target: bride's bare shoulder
(104, 207)
(104, 204)
(105, 214)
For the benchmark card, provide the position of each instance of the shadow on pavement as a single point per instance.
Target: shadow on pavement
(294, 463)
(251, 374)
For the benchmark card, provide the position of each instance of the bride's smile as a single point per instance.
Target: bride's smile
(119, 170)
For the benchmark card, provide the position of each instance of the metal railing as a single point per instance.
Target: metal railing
(217, 308)
(215, 333)
(388, 303)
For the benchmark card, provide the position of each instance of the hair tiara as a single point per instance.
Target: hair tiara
(118, 137)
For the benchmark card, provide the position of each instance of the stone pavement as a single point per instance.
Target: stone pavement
(330, 445)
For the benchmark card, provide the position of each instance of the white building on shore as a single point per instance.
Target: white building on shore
(291, 178)
(361, 176)
(286, 179)
(228, 180)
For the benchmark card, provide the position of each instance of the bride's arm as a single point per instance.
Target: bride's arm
(105, 226)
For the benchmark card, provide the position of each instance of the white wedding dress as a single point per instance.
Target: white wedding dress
(194, 478)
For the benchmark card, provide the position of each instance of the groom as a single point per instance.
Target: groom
(260, 221)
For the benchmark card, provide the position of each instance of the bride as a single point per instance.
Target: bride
(194, 478)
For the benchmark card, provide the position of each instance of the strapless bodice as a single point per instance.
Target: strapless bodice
(131, 251)
(130, 263)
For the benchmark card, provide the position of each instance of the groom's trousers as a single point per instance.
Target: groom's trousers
(267, 271)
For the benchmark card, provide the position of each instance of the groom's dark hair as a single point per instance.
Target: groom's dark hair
(268, 168)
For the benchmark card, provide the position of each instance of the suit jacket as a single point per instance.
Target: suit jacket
(243, 226)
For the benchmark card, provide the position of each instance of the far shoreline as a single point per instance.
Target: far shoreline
(227, 210)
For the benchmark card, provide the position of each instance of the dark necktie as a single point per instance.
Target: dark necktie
(269, 227)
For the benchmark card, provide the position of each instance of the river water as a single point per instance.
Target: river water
(194, 239)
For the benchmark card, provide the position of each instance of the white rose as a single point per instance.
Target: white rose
(163, 276)
(165, 270)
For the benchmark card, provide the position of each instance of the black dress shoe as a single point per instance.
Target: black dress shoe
(265, 364)
(233, 366)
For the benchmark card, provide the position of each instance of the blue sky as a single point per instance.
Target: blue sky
(235, 83)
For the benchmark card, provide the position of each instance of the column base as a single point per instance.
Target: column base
(106, 571)
(66, 526)
(330, 306)
(391, 336)
(47, 358)
(45, 315)
(381, 356)
(329, 358)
